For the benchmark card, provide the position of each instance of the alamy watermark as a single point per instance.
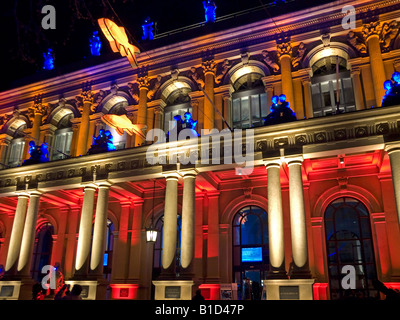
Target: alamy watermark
(49, 20)
(186, 147)
(349, 20)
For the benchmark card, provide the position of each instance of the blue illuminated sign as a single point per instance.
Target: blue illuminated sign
(252, 254)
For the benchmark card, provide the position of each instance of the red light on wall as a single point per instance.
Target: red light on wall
(124, 291)
(210, 291)
(320, 291)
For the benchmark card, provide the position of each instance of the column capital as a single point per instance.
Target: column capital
(22, 194)
(188, 173)
(103, 184)
(272, 163)
(371, 29)
(172, 175)
(143, 82)
(294, 160)
(284, 49)
(89, 185)
(36, 193)
(209, 66)
(393, 147)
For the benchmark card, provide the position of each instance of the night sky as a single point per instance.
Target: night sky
(24, 40)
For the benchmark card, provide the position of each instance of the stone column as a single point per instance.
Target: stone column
(188, 218)
(275, 222)
(85, 232)
(83, 136)
(170, 226)
(100, 230)
(358, 94)
(308, 106)
(144, 84)
(5, 140)
(394, 157)
(209, 68)
(371, 33)
(298, 221)
(16, 235)
(28, 237)
(37, 111)
(159, 116)
(213, 237)
(284, 51)
(227, 110)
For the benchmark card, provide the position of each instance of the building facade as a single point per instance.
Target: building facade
(323, 192)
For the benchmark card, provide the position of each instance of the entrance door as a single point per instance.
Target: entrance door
(349, 243)
(250, 249)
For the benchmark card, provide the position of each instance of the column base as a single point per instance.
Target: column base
(291, 289)
(17, 289)
(124, 291)
(91, 289)
(173, 289)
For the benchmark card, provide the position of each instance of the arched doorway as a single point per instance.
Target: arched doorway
(349, 242)
(250, 248)
(42, 250)
(158, 246)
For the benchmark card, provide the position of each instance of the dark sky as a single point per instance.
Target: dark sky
(24, 40)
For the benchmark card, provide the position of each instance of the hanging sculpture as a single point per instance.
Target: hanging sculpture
(119, 41)
(122, 123)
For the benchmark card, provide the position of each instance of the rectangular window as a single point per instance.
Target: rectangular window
(324, 95)
(16, 152)
(249, 110)
(62, 144)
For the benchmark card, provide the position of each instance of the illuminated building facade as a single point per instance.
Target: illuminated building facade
(324, 193)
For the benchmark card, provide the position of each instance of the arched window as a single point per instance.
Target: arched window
(42, 250)
(324, 87)
(63, 134)
(107, 260)
(250, 246)
(119, 141)
(158, 246)
(176, 96)
(349, 242)
(16, 130)
(249, 101)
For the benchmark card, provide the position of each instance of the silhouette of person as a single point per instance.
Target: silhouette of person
(198, 296)
(389, 293)
(75, 293)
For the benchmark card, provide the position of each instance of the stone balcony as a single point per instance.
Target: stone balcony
(347, 133)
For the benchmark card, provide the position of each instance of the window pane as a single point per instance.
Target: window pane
(251, 230)
(255, 107)
(236, 110)
(245, 109)
(264, 105)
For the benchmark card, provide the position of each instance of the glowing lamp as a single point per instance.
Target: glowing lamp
(151, 234)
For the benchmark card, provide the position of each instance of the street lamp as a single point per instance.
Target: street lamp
(151, 232)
